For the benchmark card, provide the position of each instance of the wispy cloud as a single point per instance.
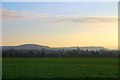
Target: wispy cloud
(80, 19)
(12, 14)
(25, 15)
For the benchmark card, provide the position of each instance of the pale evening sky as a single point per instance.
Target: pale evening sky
(60, 24)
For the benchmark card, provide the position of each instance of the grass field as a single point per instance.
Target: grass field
(60, 67)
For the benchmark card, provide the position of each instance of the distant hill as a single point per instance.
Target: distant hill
(83, 48)
(39, 47)
(25, 47)
(93, 48)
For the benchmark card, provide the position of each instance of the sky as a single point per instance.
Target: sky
(60, 24)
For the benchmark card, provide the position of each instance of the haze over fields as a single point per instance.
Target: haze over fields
(60, 24)
(40, 47)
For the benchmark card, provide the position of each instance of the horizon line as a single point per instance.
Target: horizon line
(58, 46)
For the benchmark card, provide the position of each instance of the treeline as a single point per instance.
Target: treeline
(59, 53)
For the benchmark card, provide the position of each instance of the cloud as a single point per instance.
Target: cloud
(89, 19)
(8, 13)
(12, 14)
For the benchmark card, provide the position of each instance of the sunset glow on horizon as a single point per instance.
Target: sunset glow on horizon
(60, 24)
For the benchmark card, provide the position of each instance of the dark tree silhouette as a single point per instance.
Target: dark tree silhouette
(60, 53)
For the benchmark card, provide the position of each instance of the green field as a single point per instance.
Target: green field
(60, 67)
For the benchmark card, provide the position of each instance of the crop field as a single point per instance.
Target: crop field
(60, 68)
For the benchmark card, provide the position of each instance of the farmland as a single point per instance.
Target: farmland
(60, 68)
